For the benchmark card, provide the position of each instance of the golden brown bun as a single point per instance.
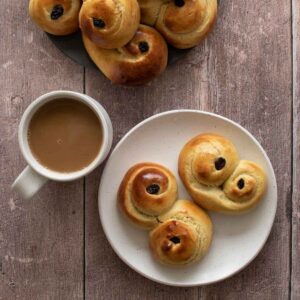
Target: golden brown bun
(58, 17)
(147, 191)
(183, 23)
(215, 178)
(141, 60)
(184, 236)
(109, 23)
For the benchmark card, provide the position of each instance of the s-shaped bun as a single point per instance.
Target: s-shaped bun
(216, 179)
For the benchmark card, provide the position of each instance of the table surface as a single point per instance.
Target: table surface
(53, 246)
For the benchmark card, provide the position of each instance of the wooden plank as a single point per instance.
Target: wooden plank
(295, 275)
(41, 240)
(243, 71)
(253, 77)
(106, 276)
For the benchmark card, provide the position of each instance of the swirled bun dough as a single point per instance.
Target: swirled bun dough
(184, 236)
(58, 17)
(183, 23)
(247, 184)
(140, 61)
(109, 23)
(216, 179)
(147, 191)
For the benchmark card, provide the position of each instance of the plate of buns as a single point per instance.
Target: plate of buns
(187, 198)
(129, 41)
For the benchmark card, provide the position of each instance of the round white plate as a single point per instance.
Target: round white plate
(237, 239)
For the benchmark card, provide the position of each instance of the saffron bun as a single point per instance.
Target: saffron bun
(215, 177)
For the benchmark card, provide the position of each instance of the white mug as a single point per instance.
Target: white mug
(35, 175)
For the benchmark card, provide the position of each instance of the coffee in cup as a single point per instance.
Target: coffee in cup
(63, 136)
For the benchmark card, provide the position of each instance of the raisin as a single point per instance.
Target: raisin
(220, 163)
(179, 3)
(57, 12)
(99, 23)
(144, 47)
(175, 240)
(153, 189)
(241, 183)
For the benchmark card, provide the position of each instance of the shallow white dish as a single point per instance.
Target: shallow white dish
(237, 239)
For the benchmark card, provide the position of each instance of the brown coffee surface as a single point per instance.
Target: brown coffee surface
(65, 135)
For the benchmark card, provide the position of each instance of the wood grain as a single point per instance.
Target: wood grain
(243, 71)
(253, 86)
(53, 246)
(41, 240)
(295, 278)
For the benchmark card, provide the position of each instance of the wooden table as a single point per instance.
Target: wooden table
(53, 247)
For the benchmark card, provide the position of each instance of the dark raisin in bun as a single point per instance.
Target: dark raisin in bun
(58, 17)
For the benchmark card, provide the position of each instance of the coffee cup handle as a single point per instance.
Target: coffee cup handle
(28, 183)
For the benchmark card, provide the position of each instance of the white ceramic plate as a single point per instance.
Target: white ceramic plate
(237, 239)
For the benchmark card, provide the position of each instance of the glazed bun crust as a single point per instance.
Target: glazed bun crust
(184, 236)
(140, 61)
(174, 242)
(58, 17)
(109, 23)
(149, 11)
(147, 191)
(216, 179)
(211, 157)
(183, 23)
(246, 184)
